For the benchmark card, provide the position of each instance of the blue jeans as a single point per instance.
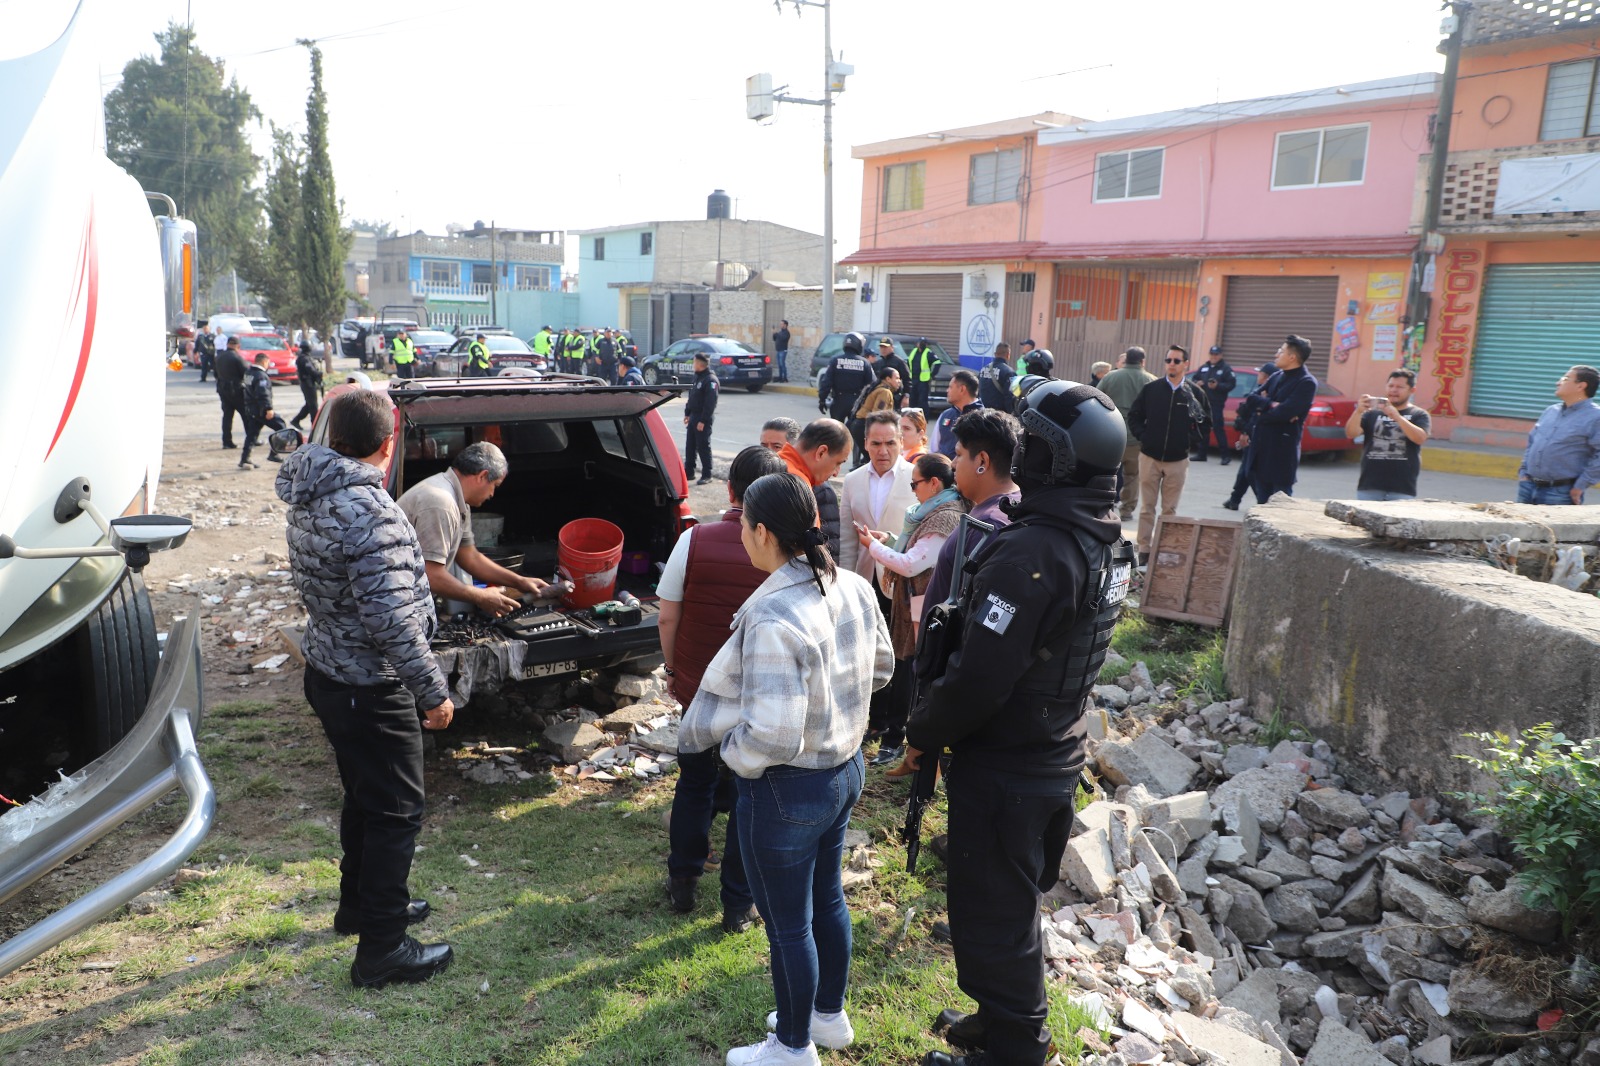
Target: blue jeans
(695, 802)
(791, 831)
(1382, 494)
(1528, 492)
(781, 364)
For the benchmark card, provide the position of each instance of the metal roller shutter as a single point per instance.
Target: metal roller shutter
(928, 305)
(1535, 322)
(1260, 312)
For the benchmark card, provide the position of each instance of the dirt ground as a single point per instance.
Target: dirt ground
(233, 569)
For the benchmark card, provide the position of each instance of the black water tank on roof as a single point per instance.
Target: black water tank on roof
(719, 205)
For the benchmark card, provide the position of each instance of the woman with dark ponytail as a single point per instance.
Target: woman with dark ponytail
(786, 700)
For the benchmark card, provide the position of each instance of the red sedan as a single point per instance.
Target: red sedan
(1324, 425)
(282, 368)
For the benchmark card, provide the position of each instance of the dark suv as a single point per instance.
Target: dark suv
(833, 344)
(577, 449)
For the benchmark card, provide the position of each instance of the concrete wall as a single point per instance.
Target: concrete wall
(1392, 656)
(740, 315)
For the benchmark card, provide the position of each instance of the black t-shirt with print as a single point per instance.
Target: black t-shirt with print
(1389, 461)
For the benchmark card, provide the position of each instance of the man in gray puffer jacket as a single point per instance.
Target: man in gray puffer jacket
(360, 573)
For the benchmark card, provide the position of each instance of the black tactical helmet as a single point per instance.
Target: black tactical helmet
(1040, 362)
(1071, 433)
(854, 344)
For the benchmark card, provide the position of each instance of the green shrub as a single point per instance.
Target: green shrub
(1546, 801)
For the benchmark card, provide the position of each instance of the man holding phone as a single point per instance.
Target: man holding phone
(1394, 429)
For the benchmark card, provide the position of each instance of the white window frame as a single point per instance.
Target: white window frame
(1128, 152)
(1000, 196)
(453, 267)
(1591, 120)
(1322, 132)
(531, 277)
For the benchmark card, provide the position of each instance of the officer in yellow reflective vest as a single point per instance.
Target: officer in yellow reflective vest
(577, 351)
(404, 354)
(542, 346)
(478, 358)
(924, 365)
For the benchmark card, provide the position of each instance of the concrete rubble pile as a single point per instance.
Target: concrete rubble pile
(247, 606)
(636, 735)
(1236, 903)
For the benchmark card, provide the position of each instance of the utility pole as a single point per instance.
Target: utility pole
(1418, 302)
(494, 278)
(759, 100)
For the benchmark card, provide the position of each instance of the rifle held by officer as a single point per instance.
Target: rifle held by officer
(940, 637)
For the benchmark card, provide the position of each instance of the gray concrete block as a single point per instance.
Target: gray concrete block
(1458, 622)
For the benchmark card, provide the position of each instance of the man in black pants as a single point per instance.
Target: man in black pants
(230, 388)
(1215, 379)
(1044, 597)
(697, 416)
(1244, 421)
(356, 562)
(205, 345)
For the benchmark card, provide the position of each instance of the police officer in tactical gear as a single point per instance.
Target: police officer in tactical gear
(994, 380)
(1045, 593)
(843, 379)
(1039, 363)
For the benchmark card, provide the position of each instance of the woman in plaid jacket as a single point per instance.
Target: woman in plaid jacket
(786, 699)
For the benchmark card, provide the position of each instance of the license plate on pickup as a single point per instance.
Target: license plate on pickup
(752, 373)
(566, 666)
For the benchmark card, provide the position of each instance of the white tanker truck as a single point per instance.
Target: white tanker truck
(94, 298)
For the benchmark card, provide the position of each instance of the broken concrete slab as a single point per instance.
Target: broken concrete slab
(1485, 996)
(1338, 1046)
(1272, 791)
(1149, 761)
(1087, 864)
(1435, 520)
(1506, 911)
(1190, 810)
(1445, 914)
(1224, 1044)
(1257, 996)
(1333, 809)
(574, 741)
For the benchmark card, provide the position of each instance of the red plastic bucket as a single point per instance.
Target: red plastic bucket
(588, 551)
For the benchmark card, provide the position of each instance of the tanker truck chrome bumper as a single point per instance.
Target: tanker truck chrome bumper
(156, 756)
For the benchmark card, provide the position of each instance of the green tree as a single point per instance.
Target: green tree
(179, 129)
(270, 263)
(323, 243)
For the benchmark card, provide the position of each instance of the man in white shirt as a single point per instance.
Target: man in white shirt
(875, 495)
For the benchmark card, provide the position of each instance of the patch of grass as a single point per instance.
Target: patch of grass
(583, 960)
(1190, 657)
(1277, 729)
(240, 709)
(262, 786)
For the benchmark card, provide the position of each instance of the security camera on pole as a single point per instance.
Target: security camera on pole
(760, 101)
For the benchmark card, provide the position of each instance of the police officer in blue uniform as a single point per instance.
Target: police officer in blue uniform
(994, 380)
(1216, 381)
(1046, 591)
(843, 379)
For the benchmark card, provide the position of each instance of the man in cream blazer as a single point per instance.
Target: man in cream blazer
(875, 494)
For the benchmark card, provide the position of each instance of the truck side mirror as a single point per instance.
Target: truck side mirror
(136, 536)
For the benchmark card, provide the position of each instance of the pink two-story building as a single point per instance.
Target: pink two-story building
(1232, 224)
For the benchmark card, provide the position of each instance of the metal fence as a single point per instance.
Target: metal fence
(1098, 311)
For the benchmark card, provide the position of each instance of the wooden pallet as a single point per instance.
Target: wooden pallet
(1190, 578)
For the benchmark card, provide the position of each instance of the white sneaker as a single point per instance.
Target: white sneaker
(834, 1034)
(772, 1052)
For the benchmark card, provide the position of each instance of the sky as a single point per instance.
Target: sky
(541, 114)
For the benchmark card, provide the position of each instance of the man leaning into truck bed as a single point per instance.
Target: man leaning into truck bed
(440, 509)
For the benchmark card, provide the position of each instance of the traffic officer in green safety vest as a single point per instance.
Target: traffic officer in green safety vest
(542, 346)
(578, 351)
(404, 354)
(478, 358)
(924, 365)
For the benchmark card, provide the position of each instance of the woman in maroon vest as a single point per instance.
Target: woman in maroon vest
(707, 578)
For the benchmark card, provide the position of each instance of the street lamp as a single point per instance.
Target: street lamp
(760, 99)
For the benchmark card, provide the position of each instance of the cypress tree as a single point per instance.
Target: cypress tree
(323, 244)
